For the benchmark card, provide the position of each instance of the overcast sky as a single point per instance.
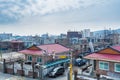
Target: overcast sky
(30, 17)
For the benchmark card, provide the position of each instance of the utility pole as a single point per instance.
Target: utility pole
(70, 68)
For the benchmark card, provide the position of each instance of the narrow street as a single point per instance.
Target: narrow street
(14, 77)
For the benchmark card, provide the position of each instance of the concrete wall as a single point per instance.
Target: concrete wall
(1, 66)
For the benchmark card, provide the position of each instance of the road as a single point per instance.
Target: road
(62, 77)
(14, 77)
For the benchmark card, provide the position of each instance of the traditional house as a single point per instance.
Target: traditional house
(107, 62)
(45, 53)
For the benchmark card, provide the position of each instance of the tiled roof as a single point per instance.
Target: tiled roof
(32, 52)
(116, 48)
(54, 47)
(49, 48)
(106, 57)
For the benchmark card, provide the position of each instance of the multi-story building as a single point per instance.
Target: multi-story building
(46, 39)
(29, 40)
(86, 33)
(74, 36)
(4, 36)
(8, 46)
(114, 39)
(62, 36)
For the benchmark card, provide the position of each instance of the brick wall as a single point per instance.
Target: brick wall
(20, 72)
(10, 71)
(104, 72)
(30, 74)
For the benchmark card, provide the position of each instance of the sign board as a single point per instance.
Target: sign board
(62, 57)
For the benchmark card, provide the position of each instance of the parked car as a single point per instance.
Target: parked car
(57, 71)
(80, 62)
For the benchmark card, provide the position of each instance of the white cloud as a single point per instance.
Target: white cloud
(35, 16)
(17, 8)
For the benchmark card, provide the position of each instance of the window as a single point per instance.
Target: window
(117, 67)
(103, 65)
(29, 58)
(39, 59)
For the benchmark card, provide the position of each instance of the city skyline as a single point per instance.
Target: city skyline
(32, 17)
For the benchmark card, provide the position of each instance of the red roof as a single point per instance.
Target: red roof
(32, 52)
(54, 47)
(49, 48)
(116, 47)
(105, 57)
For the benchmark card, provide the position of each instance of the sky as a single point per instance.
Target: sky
(34, 17)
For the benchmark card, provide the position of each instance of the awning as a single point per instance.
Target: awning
(56, 62)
